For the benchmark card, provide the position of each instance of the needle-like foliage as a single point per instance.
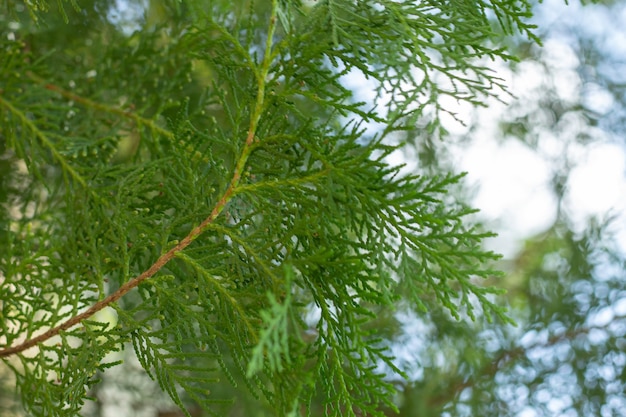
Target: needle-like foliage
(210, 179)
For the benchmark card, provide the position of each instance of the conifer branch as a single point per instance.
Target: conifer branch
(236, 305)
(258, 166)
(45, 141)
(248, 250)
(195, 232)
(139, 120)
(288, 182)
(125, 288)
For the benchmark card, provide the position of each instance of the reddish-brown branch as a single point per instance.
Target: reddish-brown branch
(153, 269)
(166, 257)
(124, 289)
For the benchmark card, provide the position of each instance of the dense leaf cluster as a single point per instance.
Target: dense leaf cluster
(211, 179)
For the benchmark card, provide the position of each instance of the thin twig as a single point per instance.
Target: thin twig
(195, 232)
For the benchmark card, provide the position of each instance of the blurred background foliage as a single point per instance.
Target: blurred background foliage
(566, 283)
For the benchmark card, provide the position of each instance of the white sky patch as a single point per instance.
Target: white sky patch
(362, 87)
(533, 77)
(458, 124)
(364, 90)
(620, 307)
(127, 15)
(598, 99)
(597, 185)
(513, 189)
(601, 318)
(558, 54)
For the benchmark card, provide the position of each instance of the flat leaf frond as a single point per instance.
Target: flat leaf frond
(56, 377)
(215, 179)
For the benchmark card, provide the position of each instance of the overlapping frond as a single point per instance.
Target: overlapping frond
(212, 178)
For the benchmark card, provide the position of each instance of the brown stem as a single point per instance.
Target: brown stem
(153, 269)
(157, 265)
(195, 232)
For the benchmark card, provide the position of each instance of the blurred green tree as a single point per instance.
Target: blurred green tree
(565, 284)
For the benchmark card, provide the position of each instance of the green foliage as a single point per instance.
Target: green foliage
(211, 178)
